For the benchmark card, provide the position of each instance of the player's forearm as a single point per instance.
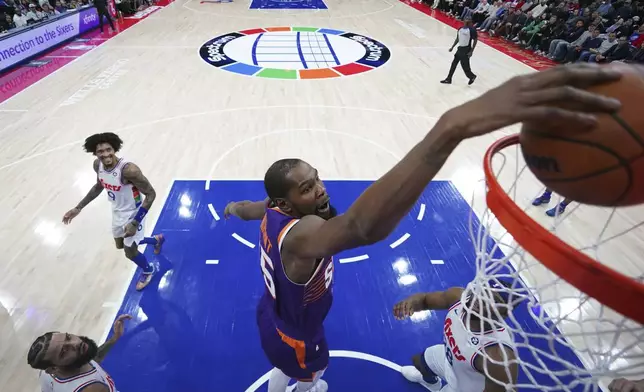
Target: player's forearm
(104, 349)
(381, 207)
(150, 195)
(250, 211)
(91, 195)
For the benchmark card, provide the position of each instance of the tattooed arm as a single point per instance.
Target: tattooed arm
(91, 195)
(118, 332)
(133, 175)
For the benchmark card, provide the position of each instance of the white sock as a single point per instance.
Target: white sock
(278, 382)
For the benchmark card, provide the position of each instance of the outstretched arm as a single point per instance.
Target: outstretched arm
(91, 195)
(118, 332)
(247, 210)
(380, 208)
(93, 192)
(437, 300)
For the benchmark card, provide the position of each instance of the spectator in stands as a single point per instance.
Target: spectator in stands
(493, 17)
(561, 12)
(626, 29)
(480, 10)
(539, 9)
(637, 38)
(618, 52)
(559, 47)
(7, 23)
(60, 7)
(527, 33)
(637, 56)
(459, 6)
(606, 10)
(625, 11)
(588, 48)
(547, 34)
(19, 19)
(479, 14)
(522, 20)
(46, 8)
(509, 20)
(31, 14)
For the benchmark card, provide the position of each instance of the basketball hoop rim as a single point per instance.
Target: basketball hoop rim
(613, 289)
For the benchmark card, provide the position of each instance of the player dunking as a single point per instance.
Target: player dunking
(469, 331)
(299, 236)
(71, 363)
(125, 183)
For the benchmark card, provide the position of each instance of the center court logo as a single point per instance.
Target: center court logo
(294, 53)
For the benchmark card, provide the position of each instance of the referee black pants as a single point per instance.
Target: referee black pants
(102, 11)
(461, 56)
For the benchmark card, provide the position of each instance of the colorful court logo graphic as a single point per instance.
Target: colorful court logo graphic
(295, 53)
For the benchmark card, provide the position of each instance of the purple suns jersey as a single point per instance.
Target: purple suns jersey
(298, 310)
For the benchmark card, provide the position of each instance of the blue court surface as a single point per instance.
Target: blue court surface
(194, 327)
(288, 4)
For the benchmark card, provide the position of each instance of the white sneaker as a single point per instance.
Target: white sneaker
(414, 375)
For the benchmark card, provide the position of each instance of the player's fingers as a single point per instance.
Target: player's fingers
(579, 75)
(123, 317)
(555, 117)
(576, 98)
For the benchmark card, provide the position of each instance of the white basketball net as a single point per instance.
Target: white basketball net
(607, 344)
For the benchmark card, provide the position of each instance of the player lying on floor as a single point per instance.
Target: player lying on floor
(473, 326)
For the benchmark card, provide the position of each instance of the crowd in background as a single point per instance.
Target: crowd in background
(565, 31)
(16, 14)
(19, 13)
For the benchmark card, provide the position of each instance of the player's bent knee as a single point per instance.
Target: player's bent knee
(119, 243)
(131, 251)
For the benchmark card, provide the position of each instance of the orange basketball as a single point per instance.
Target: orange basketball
(604, 166)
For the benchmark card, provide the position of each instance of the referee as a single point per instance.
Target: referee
(466, 39)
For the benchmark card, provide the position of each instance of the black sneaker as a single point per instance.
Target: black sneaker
(446, 81)
(472, 79)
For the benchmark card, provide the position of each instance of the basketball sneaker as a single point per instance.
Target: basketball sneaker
(414, 375)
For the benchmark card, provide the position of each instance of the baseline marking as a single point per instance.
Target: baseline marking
(212, 261)
(437, 262)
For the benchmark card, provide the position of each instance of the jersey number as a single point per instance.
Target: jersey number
(111, 195)
(448, 355)
(328, 275)
(266, 262)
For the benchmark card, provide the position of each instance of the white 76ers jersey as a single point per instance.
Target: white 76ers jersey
(49, 383)
(124, 197)
(462, 347)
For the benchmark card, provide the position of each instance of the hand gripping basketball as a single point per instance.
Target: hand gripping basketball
(535, 97)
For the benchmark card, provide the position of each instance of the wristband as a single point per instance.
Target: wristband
(140, 214)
